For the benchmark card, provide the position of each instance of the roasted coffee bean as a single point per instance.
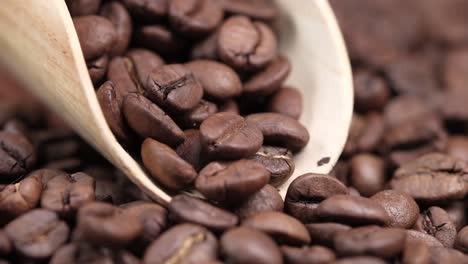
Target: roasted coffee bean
(76, 253)
(17, 199)
(97, 68)
(267, 199)
(257, 9)
(413, 236)
(37, 234)
(174, 88)
(17, 155)
(284, 228)
(122, 73)
(160, 39)
(307, 191)
(457, 148)
(352, 210)
(166, 166)
(281, 130)
(186, 243)
(403, 109)
(447, 255)
(120, 18)
(195, 18)
(231, 182)
(360, 260)
(83, 7)
(436, 222)
(149, 121)
(143, 61)
(432, 178)
(365, 133)
(371, 92)
(269, 80)
(416, 252)
(462, 240)
(104, 224)
(65, 193)
(278, 161)
(97, 35)
(371, 240)
(229, 136)
(325, 233)
(308, 255)
(367, 174)
(200, 113)
(286, 101)
(219, 81)
(256, 247)
(5, 244)
(190, 149)
(400, 207)
(245, 44)
(184, 208)
(147, 11)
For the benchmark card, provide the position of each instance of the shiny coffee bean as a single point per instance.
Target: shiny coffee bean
(231, 182)
(143, 61)
(37, 234)
(166, 166)
(160, 39)
(83, 7)
(190, 149)
(97, 35)
(267, 199)
(200, 113)
(5, 244)
(368, 174)
(76, 253)
(229, 136)
(284, 228)
(186, 209)
(122, 73)
(413, 236)
(400, 207)
(278, 161)
(436, 222)
(308, 255)
(257, 9)
(118, 15)
(307, 191)
(325, 233)
(371, 92)
(286, 101)
(245, 245)
(270, 79)
(462, 240)
(147, 11)
(186, 243)
(17, 155)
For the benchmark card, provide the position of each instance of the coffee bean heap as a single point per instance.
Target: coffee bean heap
(194, 88)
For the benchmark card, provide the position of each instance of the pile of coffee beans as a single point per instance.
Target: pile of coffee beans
(194, 89)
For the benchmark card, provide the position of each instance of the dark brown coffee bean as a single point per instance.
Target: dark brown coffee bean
(307, 191)
(16, 199)
(270, 79)
(122, 74)
(149, 121)
(256, 247)
(267, 199)
(308, 255)
(462, 240)
(206, 49)
(166, 166)
(284, 228)
(147, 11)
(352, 210)
(368, 174)
(219, 81)
(454, 66)
(365, 133)
(37, 234)
(17, 155)
(174, 88)
(286, 101)
(120, 18)
(195, 18)
(281, 129)
(457, 148)
(83, 7)
(190, 149)
(97, 35)
(400, 207)
(371, 92)
(257, 9)
(447, 255)
(325, 233)
(97, 68)
(160, 39)
(186, 243)
(65, 193)
(245, 44)
(413, 236)
(231, 182)
(144, 61)
(278, 161)
(432, 178)
(416, 252)
(76, 253)
(200, 113)
(186, 209)
(229, 136)
(436, 222)
(5, 244)
(360, 260)
(104, 224)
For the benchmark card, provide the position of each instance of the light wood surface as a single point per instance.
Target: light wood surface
(39, 45)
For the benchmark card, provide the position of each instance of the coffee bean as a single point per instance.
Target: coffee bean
(104, 224)
(219, 81)
(280, 130)
(17, 155)
(147, 11)
(143, 61)
(160, 39)
(416, 252)
(190, 149)
(462, 240)
(206, 48)
(149, 121)
(65, 193)
(284, 228)
(447, 255)
(256, 247)
(122, 73)
(413, 236)
(432, 178)
(245, 44)
(278, 161)
(325, 233)
(229, 136)
(76, 253)
(308, 255)
(400, 207)
(371, 92)
(97, 35)
(267, 199)
(186, 243)
(307, 191)
(257, 9)
(286, 101)
(200, 113)
(368, 174)
(352, 210)
(166, 166)
(457, 148)
(436, 222)
(360, 260)
(97, 68)
(174, 88)
(5, 244)
(270, 79)
(37, 234)
(83, 7)
(231, 182)
(120, 18)
(456, 213)
(365, 133)
(184, 208)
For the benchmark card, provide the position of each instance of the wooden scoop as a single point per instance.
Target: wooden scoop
(38, 43)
